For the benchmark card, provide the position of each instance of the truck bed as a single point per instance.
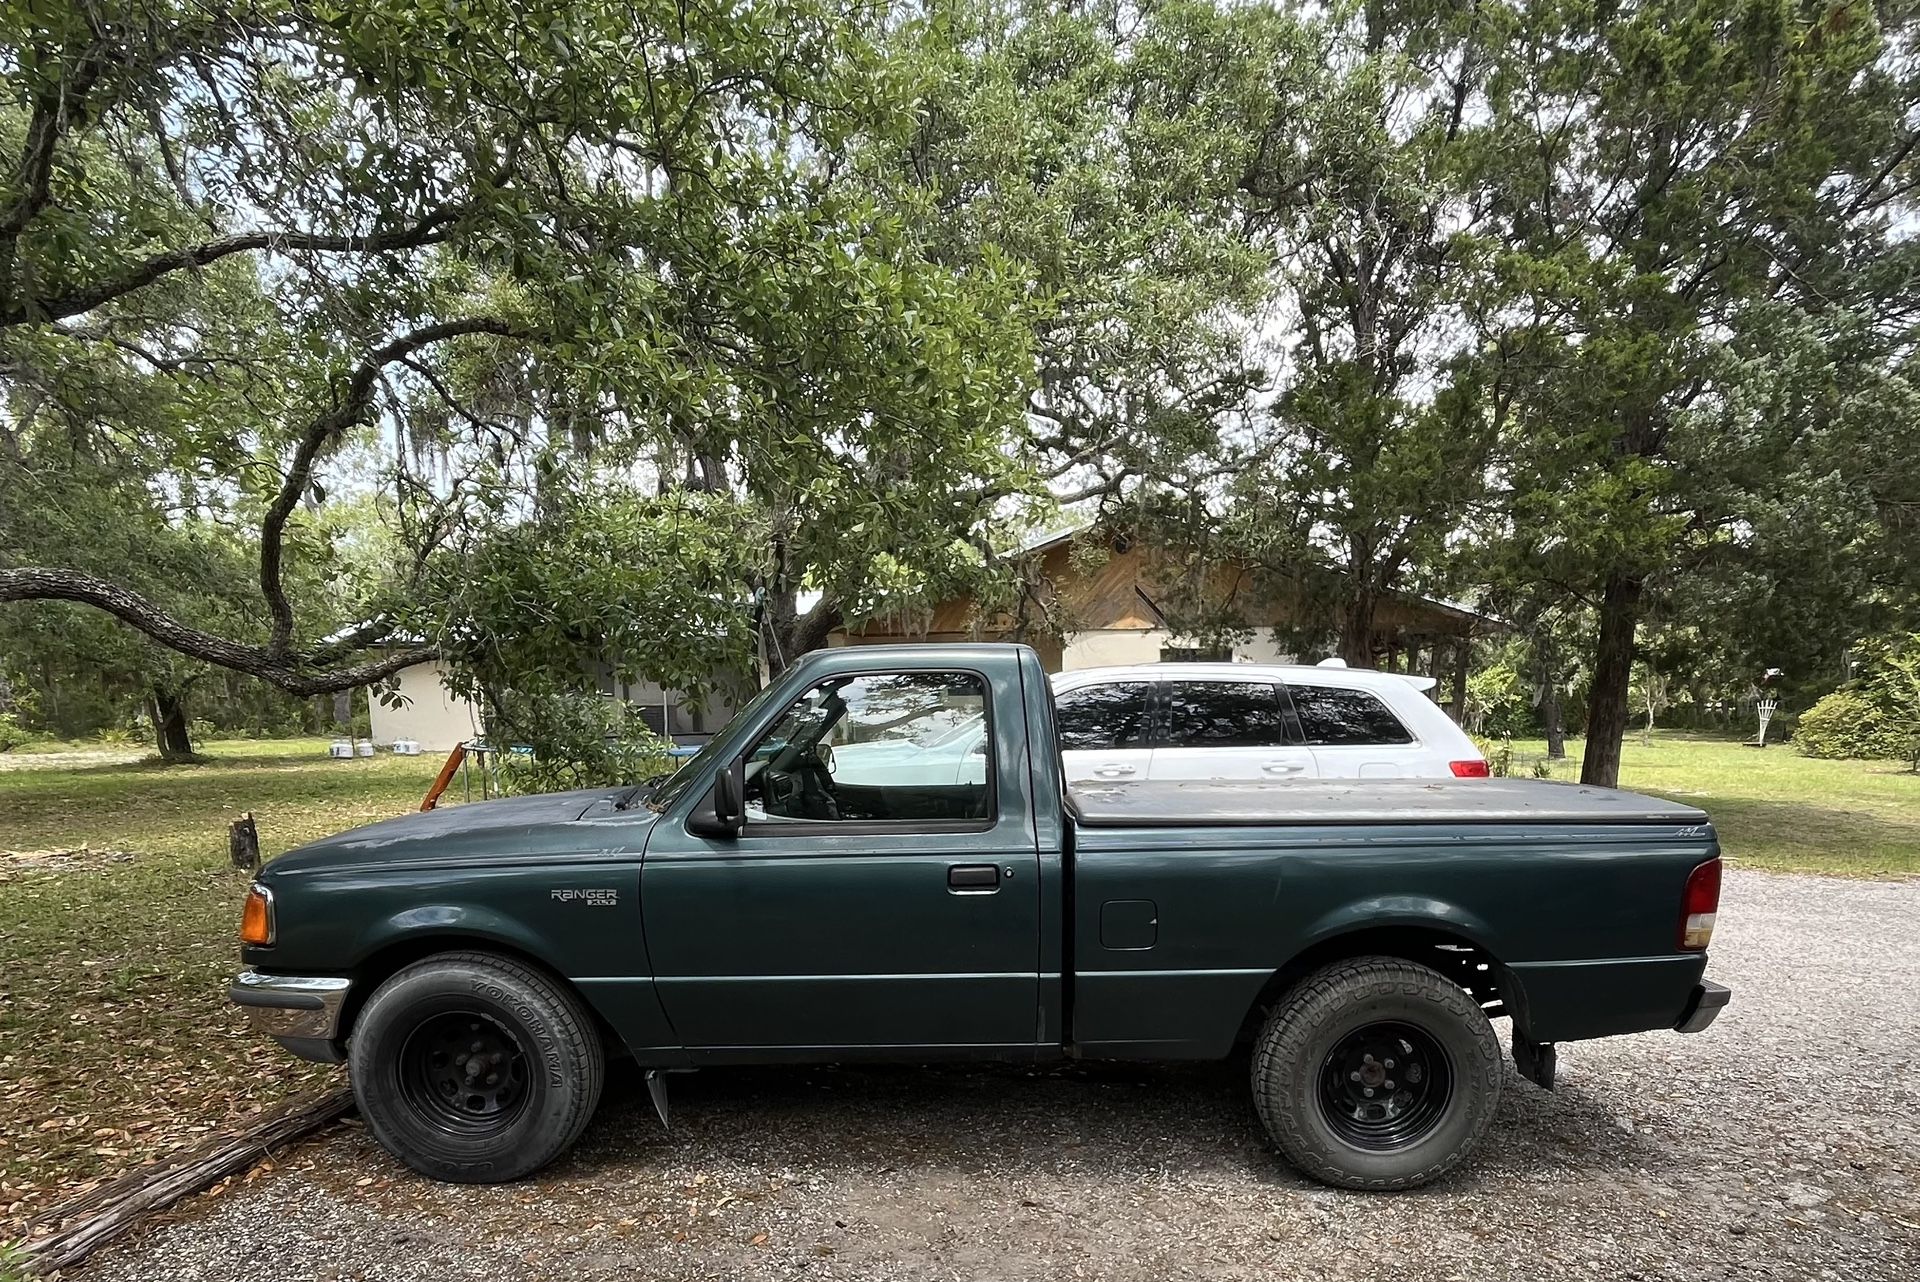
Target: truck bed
(1210, 804)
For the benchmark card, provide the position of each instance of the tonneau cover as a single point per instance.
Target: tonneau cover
(1202, 804)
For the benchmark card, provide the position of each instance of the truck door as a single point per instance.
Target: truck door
(872, 910)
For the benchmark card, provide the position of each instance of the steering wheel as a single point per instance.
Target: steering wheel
(800, 788)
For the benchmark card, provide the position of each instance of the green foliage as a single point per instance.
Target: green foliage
(1877, 714)
(579, 740)
(1849, 724)
(396, 267)
(600, 589)
(13, 734)
(1367, 188)
(1893, 665)
(1498, 752)
(1499, 701)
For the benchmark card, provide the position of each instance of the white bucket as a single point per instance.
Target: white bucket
(340, 749)
(364, 748)
(406, 747)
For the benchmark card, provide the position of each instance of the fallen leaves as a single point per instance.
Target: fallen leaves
(120, 1045)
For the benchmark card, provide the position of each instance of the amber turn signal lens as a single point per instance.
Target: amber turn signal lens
(256, 919)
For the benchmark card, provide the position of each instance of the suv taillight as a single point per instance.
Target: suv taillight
(1699, 906)
(1475, 769)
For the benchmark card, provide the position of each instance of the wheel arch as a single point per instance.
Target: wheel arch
(1437, 943)
(397, 953)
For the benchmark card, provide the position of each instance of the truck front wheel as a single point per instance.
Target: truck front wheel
(475, 1069)
(1376, 1073)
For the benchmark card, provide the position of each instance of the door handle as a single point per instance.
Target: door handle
(1113, 770)
(974, 879)
(1282, 767)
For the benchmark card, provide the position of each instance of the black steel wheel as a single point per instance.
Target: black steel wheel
(466, 1070)
(1386, 1086)
(475, 1068)
(1376, 1073)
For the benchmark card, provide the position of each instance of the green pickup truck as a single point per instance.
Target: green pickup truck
(812, 887)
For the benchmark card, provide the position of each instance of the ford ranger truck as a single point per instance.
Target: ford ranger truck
(1352, 939)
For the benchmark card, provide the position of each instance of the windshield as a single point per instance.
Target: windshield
(687, 773)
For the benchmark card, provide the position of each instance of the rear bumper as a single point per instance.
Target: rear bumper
(1708, 1000)
(301, 1012)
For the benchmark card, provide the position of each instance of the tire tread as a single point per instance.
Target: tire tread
(1287, 1036)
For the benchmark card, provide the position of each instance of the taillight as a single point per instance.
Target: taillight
(256, 919)
(1475, 769)
(1699, 905)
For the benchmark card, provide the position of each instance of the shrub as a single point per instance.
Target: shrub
(1849, 723)
(577, 740)
(13, 734)
(1499, 754)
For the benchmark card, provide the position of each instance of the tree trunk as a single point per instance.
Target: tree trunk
(1462, 658)
(169, 725)
(1551, 713)
(1547, 664)
(788, 634)
(1356, 628)
(1608, 704)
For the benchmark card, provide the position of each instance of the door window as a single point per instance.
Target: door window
(1336, 717)
(1224, 714)
(1102, 718)
(877, 747)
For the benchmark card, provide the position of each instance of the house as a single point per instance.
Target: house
(428, 713)
(439, 720)
(1093, 597)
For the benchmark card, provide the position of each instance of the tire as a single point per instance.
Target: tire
(536, 1084)
(1324, 1090)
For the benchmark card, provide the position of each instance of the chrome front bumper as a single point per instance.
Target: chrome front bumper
(301, 1012)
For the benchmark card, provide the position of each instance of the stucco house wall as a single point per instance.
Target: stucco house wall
(432, 715)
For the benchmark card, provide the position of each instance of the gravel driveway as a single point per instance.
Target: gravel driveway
(1782, 1143)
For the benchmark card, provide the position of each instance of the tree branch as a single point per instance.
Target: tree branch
(41, 583)
(350, 409)
(431, 230)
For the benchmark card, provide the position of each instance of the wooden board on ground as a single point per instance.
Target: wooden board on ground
(69, 1233)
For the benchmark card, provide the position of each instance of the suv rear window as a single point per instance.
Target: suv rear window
(1224, 714)
(1333, 717)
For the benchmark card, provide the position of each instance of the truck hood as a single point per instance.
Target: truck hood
(543, 826)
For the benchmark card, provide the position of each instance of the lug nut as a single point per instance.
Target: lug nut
(1368, 1092)
(1354, 1076)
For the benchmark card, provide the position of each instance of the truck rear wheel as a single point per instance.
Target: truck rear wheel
(475, 1069)
(1376, 1073)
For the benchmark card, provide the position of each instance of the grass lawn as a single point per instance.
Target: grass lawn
(1774, 808)
(118, 913)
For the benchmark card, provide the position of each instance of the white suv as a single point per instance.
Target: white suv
(1255, 721)
(1198, 721)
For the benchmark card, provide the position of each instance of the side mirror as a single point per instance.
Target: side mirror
(727, 803)
(724, 812)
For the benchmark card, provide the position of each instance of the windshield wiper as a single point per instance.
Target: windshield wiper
(649, 784)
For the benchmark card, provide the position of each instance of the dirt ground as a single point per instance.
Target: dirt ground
(1782, 1143)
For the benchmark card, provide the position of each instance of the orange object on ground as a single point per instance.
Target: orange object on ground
(445, 777)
